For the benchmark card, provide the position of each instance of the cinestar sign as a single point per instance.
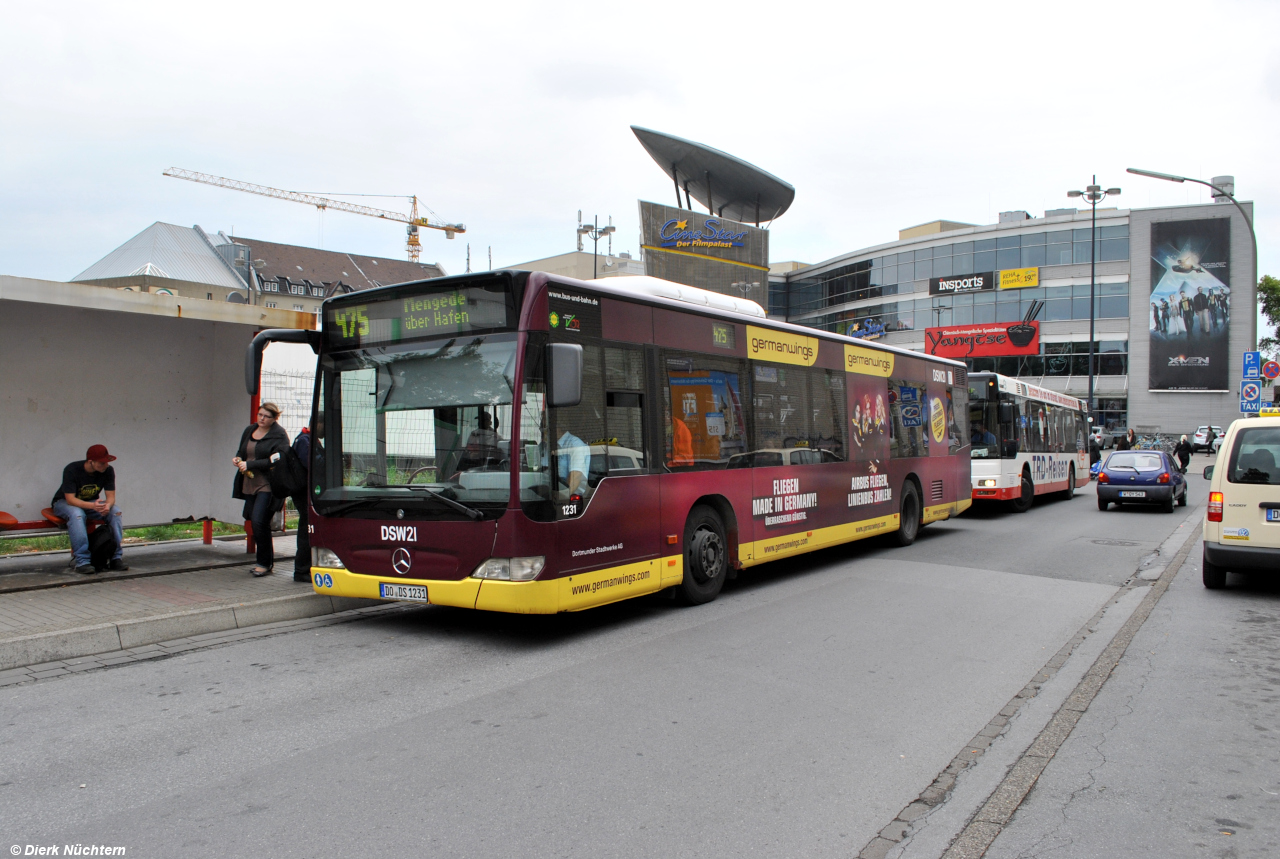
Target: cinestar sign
(961, 284)
(676, 233)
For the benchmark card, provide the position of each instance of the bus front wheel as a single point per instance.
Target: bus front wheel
(909, 516)
(1022, 503)
(706, 557)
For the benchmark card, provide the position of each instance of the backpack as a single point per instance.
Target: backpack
(288, 473)
(102, 546)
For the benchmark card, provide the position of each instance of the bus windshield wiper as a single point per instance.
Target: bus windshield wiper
(351, 505)
(470, 512)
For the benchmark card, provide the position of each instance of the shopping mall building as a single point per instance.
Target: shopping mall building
(1174, 304)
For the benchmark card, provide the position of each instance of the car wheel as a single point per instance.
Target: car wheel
(1103, 503)
(1182, 499)
(706, 557)
(1022, 503)
(1167, 506)
(1214, 577)
(909, 516)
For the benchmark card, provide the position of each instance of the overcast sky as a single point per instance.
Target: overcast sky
(510, 117)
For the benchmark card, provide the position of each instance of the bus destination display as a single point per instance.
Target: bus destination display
(415, 317)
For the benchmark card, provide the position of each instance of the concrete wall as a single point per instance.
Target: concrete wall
(162, 388)
(1183, 411)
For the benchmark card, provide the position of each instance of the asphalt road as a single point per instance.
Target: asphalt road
(794, 716)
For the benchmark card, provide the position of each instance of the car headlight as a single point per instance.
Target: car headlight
(326, 558)
(511, 569)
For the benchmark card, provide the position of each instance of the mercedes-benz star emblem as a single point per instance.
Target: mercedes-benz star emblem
(401, 560)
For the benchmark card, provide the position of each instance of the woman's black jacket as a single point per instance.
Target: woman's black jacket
(275, 441)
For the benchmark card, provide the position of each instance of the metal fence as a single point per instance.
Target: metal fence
(291, 391)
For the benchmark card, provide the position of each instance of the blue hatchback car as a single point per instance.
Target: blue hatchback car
(1141, 477)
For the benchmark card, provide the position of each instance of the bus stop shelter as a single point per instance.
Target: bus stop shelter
(158, 379)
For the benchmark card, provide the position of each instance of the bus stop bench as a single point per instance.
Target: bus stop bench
(49, 522)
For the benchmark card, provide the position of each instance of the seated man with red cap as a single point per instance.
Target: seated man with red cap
(77, 499)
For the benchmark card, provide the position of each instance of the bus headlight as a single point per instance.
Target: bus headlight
(511, 569)
(988, 482)
(326, 558)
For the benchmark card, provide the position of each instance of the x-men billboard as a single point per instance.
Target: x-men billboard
(1190, 310)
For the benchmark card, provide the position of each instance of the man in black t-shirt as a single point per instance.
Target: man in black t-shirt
(77, 499)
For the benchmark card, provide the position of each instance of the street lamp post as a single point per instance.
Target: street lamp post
(1230, 195)
(1093, 195)
(595, 232)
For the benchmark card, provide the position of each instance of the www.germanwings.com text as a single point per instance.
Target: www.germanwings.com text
(615, 581)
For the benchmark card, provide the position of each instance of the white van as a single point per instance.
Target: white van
(1242, 524)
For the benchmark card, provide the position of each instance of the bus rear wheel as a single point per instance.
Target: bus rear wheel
(1022, 503)
(909, 516)
(706, 557)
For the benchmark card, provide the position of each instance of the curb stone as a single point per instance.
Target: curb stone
(43, 647)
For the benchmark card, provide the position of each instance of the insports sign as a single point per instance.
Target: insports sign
(961, 284)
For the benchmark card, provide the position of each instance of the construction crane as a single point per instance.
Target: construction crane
(412, 244)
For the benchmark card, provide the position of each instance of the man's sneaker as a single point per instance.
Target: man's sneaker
(118, 565)
(86, 569)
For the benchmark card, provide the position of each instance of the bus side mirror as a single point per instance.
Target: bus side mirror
(565, 375)
(1006, 413)
(1208, 472)
(253, 357)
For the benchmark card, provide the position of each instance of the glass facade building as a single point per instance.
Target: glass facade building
(883, 293)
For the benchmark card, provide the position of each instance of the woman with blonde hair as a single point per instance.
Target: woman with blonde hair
(258, 443)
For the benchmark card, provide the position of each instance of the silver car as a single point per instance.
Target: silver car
(1200, 441)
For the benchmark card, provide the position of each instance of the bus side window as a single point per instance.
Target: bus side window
(703, 420)
(956, 436)
(907, 404)
(624, 408)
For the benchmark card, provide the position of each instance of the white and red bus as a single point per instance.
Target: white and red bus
(523, 442)
(1025, 440)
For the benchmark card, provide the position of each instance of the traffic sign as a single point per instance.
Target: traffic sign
(1271, 369)
(1250, 397)
(1252, 365)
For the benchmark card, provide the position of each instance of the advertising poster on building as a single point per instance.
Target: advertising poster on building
(985, 340)
(1190, 309)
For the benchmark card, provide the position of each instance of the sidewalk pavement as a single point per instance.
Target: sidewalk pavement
(48, 613)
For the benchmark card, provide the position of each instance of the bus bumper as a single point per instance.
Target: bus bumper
(996, 493)
(544, 596)
(344, 583)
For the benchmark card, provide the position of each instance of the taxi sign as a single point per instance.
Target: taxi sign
(1250, 397)
(1271, 370)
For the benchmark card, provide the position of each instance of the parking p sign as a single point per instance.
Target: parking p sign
(1250, 397)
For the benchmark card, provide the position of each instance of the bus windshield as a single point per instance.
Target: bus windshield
(412, 423)
(984, 422)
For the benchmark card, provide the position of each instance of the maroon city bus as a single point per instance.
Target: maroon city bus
(524, 442)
